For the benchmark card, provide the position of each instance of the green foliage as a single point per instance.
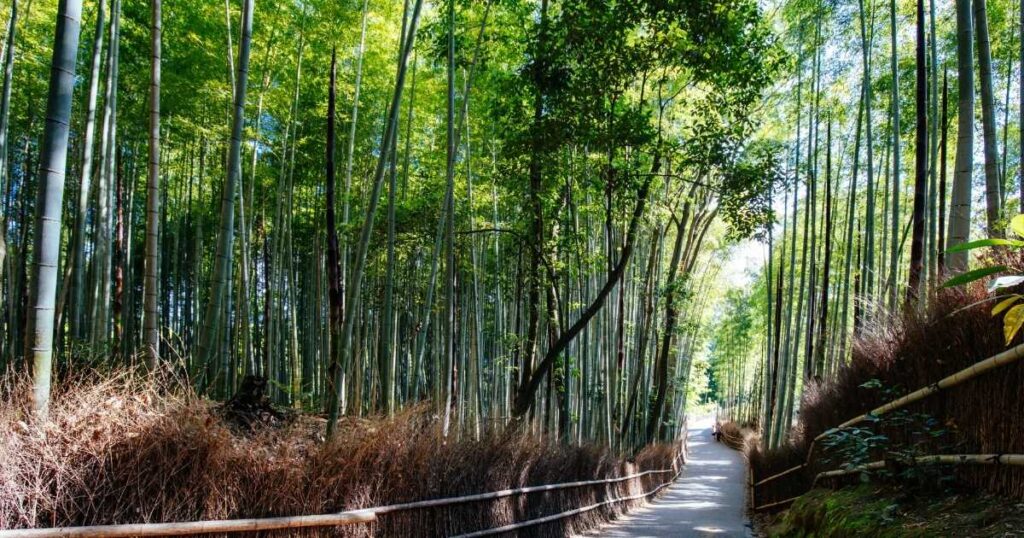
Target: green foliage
(1014, 318)
(747, 190)
(973, 275)
(576, 106)
(920, 434)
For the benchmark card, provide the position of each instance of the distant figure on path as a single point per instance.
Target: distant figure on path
(708, 500)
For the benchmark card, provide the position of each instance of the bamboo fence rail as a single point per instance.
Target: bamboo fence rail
(198, 527)
(569, 513)
(349, 517)
(942, 459)
(1004, 358)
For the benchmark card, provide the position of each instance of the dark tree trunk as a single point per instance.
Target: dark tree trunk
(333, 258)
(920, 163)
(119, 260)
(819, 363)
(942, 173)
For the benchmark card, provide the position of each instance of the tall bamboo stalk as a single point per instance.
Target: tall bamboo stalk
(53, 163)
(225, 236)
(151, 283)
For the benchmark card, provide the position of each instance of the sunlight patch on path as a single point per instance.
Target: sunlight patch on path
(708, 499)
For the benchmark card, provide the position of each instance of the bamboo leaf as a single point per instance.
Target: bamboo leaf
(981, 243)
(1004, 304)
(1012, 322)
(971, 276)
(1017, 225)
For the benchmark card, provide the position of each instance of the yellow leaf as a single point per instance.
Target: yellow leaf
(1012, 322)
(1004, 304)
(1017, 225)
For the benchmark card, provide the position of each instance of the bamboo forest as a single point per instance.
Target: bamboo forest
(511, 267)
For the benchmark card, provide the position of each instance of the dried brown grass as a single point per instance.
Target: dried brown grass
(738, 436)
(127, 448)
(986, 415)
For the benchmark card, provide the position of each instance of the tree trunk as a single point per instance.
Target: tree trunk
(851, 218)
(352, 293)
(988, 121)
(348, 168)
(5, 115)
(920, 164)
(119, 261)
(151, 282)
(942, 175)
(333, 262)
(960, 203)
(819, 361)
(671, 313)
(536, 238)
(449, 282)
(102, 232)
(208, 338)
(894, 225)
(868, 269)
(75, 265)
(931, 239)
(525, 396)
(53, 162)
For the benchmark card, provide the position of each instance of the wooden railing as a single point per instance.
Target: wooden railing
(1009, 356)
(359, 516)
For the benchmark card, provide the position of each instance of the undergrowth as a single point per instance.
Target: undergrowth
(125, 447)
(885, 512)
(902, 354)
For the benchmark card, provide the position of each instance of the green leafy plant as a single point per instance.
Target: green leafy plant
(1013, 319)
(922, 434)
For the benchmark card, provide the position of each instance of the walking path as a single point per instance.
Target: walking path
(709, 499)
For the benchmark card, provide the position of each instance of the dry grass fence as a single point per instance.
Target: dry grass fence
(985, 414)
(126, 448)
(739, 437)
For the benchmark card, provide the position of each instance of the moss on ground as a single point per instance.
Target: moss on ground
(885, 512)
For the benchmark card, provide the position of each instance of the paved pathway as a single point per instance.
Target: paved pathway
(709, 499)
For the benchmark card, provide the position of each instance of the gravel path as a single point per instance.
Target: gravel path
(709, 499)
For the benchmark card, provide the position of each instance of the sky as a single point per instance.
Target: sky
(745, 261)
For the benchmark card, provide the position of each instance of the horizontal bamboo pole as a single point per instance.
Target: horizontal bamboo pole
(350, 517)
(324, 520)
(197, 527)
(780, 475)
(567, 513)
(561, 515)
(844, 472)
(1002, 359)
(941, 459)
(503, 493)
(775, 504)
(806, 463)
